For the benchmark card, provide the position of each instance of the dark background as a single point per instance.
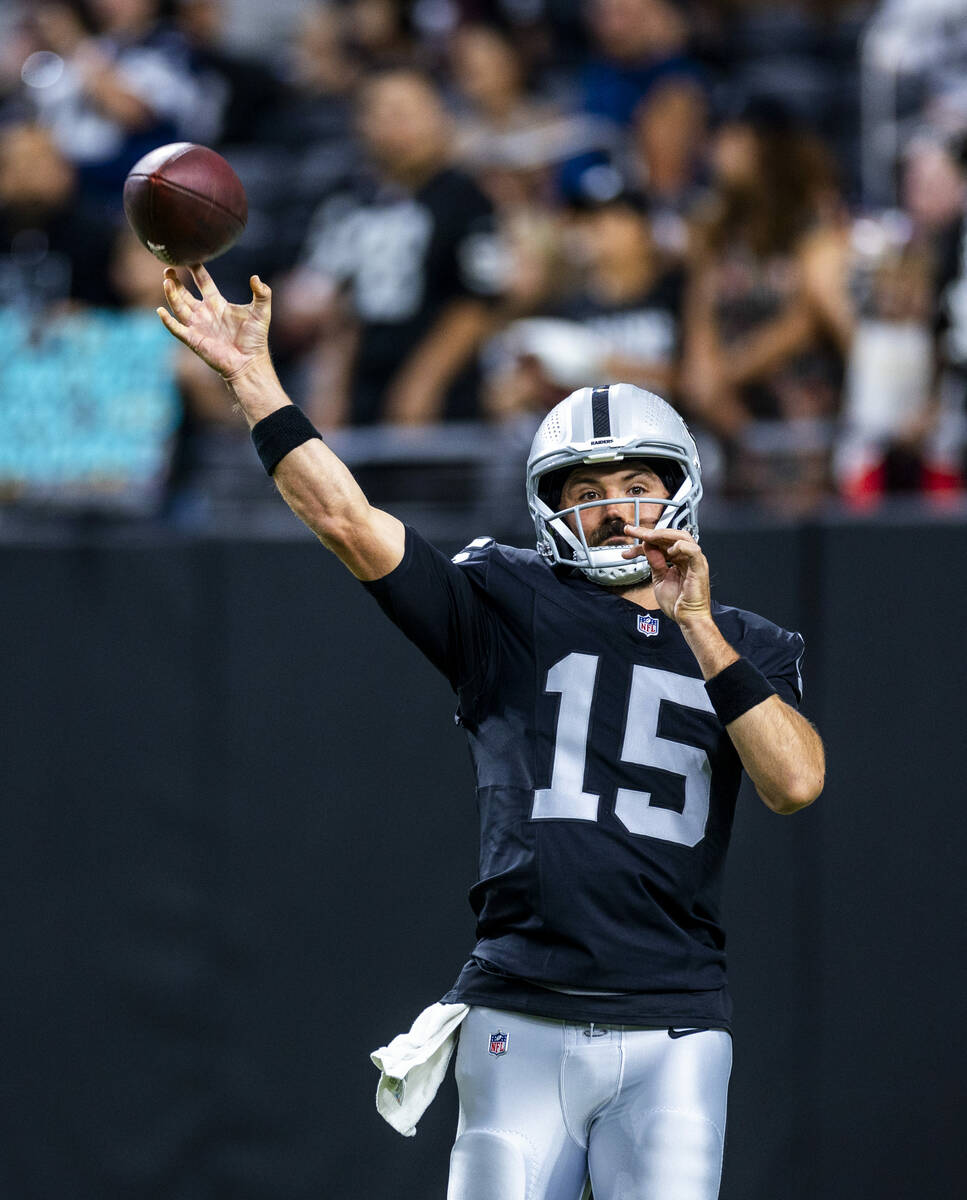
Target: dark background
(238, 831)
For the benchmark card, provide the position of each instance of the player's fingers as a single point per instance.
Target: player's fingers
(689, 560)
(171, 276)
(261, 296)
(204, 282)
(683, 551)
(180, 301)
(172, 325)
(681, 545)
(639, 548)
(657, 561)
(644, 533)
(661, 537)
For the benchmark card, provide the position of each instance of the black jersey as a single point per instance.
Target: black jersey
(606, 785)
(404, 257)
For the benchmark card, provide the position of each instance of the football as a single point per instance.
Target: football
(185, 203)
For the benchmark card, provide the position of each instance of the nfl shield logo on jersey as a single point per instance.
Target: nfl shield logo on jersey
(498, 1043)
(647, 624)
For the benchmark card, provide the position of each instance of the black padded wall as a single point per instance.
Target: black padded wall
(238, 834)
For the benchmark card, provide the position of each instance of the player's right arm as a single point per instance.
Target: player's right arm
(316, 485)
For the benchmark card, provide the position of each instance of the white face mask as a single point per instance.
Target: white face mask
(607, 565)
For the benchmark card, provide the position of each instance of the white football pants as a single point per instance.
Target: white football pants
(641, 1112)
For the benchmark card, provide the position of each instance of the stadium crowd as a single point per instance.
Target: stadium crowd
(467, 208)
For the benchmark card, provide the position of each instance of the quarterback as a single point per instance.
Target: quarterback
(611, 707)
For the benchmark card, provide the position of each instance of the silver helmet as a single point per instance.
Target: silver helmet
(602, 425)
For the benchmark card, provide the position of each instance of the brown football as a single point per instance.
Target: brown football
(185, 203)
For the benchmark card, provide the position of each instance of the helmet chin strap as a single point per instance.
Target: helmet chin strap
(625, 576)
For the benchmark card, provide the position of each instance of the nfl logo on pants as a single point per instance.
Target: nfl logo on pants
(498, 1043)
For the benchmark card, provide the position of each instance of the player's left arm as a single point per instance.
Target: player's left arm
(780, 750)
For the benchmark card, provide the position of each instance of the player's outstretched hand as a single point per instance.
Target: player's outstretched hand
(679, 571)
(231, 338)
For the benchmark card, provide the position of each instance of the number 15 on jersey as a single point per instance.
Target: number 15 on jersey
(574, 679)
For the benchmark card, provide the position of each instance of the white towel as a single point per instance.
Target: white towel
(413, 1065)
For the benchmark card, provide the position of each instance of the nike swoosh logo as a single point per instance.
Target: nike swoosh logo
(677, 1033)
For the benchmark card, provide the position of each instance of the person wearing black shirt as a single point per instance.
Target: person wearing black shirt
(629, 301)
(630, 298)
(610, 707)
(416, 259)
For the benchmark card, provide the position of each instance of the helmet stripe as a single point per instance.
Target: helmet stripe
(600, 412)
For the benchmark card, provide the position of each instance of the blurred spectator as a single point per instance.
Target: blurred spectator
(416, 260)
(758, 367)
(623, 322)
(637, 43)
(944, 433)
(53, 248)
(91, 407)
(240, 94)
(667, 154)
(503, 123)
(322, 75)
(881, 286)
(512, 140)
(631, 297)
(889, 367)
(111, 97)
(379, 33)
(913, 67)
(640, 73)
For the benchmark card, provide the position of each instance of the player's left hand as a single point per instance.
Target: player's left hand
(679, 572)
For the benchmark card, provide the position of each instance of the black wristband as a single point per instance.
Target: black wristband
(738, 688)
(278, 433)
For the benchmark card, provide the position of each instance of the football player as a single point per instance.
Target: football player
(611, 707)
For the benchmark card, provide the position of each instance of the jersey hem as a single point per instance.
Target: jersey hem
(537, 1006)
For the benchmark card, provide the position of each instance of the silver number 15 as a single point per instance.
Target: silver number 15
(574, 678)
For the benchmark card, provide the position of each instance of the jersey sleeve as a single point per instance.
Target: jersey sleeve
(442, 608)
(780, 660)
